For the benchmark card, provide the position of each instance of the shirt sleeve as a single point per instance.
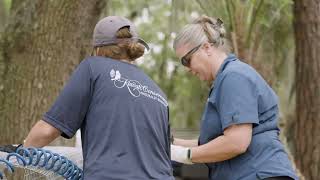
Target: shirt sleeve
(70, 108)
(237, 101)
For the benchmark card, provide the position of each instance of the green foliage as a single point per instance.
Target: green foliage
(7, 5)
(260, 27)
(157, 23)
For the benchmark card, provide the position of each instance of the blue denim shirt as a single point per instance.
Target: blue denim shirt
(240, 95)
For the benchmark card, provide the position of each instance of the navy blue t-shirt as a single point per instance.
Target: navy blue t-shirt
(240, 95)
(123, 117)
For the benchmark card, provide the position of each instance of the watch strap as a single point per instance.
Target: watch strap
(189, 154)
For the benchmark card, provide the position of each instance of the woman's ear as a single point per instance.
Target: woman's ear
(207, 48)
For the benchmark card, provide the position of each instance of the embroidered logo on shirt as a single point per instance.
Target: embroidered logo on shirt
(135, 87)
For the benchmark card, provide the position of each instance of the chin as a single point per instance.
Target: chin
(202, 78)
(208, 79)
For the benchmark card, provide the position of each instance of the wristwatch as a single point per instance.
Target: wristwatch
(171, 139)
(189, 154)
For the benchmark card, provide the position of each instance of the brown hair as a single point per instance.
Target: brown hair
(127, 50)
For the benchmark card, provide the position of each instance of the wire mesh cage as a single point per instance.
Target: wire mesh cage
(67, 156)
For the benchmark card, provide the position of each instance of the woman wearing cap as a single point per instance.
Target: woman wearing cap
(122, 113)
(239, 132)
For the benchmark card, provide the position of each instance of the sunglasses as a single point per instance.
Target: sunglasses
(185, 60)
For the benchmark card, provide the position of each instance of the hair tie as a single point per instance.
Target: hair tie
(219, 22)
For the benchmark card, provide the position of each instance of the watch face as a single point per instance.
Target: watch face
(189, 154)
(171, 138)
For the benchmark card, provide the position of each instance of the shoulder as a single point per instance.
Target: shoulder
(99, 65)
(96, 60)
(238, 78)
(240, 71)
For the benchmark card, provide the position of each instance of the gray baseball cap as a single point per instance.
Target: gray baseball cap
(106, 29)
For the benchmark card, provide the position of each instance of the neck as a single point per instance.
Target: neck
(127, 61)
(217, 60)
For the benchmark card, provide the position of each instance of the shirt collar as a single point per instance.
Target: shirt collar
(230, 58)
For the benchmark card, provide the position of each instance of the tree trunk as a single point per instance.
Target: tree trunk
(39, 49)
(306, 127)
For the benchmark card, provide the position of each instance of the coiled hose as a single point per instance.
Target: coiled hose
(46, 159)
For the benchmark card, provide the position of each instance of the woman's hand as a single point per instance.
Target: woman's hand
(181, 154)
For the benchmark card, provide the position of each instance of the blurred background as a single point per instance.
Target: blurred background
(41, 43)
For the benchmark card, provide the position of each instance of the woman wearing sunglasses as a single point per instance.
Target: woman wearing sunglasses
(239, 135)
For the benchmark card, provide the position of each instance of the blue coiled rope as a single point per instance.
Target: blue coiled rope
(46, 159)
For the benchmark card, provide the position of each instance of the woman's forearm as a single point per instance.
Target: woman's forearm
(234, 142)
(217, 150)
(185, 142)
(41, 135)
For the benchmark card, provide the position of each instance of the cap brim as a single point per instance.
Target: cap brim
(141, 41)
